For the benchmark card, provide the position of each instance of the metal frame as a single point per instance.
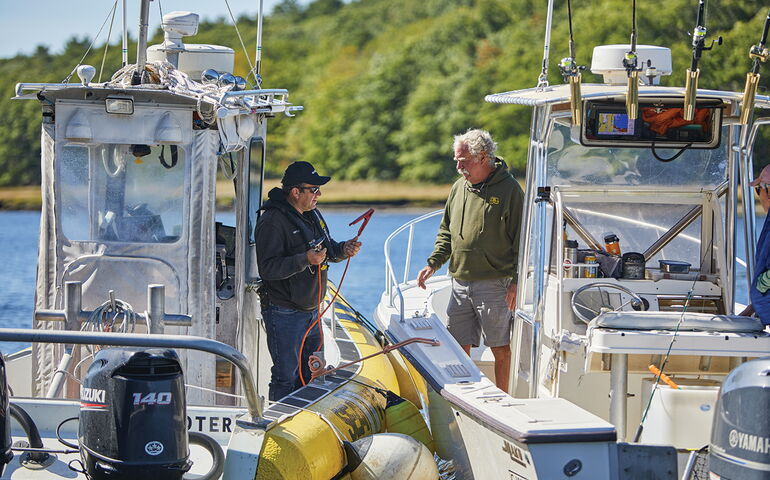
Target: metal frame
(535, 227)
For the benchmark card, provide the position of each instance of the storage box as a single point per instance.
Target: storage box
(679, 417)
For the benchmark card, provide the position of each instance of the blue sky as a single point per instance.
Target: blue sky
(24, 25)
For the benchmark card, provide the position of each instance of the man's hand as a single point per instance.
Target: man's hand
(316, 258)
(351, 247)
(424, 274)
(510, 296)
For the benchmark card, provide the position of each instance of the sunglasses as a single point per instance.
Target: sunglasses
(759, 189)
(313, 190)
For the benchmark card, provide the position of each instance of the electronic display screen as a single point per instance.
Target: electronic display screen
(658, 124)
(614, 124)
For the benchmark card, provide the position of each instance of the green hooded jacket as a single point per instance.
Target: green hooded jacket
(479, 233)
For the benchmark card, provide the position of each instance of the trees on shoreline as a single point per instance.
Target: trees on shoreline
(386, 83)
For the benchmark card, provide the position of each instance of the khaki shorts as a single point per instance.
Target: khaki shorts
(478, 307)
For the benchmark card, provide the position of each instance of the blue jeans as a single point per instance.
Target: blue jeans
(285, 328)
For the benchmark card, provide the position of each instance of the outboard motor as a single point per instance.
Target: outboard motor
(132, 416)
(740, 436)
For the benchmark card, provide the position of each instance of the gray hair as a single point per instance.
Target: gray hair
(477, 141)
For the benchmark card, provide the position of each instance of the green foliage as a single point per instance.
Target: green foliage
(387, 83)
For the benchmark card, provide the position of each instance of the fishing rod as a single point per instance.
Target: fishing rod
(630, 62)
(758, 53)
(571, 72)
(659, 375)
(698, 47)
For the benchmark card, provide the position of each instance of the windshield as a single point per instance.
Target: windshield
(637, 226)
(121, 193)
(570, 163)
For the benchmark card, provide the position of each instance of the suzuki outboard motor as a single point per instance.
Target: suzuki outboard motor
(740, 436)
(132, 416)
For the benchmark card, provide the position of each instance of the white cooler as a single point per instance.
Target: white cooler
(681, 418)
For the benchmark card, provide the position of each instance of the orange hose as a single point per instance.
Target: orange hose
(663, 376)
(318, 319)
(309, 328)
(366, 216)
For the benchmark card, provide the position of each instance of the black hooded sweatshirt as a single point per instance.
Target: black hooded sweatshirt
(283, 237)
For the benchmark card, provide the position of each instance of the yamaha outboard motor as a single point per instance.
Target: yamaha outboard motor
(740, 437)
(132, 416)
(5, 420)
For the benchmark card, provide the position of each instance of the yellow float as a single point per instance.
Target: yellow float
(310, 425)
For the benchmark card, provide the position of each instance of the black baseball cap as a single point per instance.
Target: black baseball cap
(302, 172)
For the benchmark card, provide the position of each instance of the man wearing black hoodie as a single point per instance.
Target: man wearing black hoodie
(293, 247)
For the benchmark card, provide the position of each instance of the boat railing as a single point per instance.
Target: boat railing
(242, 102)
(392, 285)
(72, 316)
(69, 337)
(267, 100)
(39, 87)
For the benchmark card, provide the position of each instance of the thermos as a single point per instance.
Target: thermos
(612, 243)
(570, 259)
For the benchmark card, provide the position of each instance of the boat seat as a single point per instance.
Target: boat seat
(692, 321)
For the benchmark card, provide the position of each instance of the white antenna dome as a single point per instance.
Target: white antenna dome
(86, 74)
(177, 25)
(190, 58)
(607, 60)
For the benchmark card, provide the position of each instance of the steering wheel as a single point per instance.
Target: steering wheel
(636, 301)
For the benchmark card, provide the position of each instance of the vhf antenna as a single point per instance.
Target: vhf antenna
(758, 53)
(630, 61)
(698, 47)
(257, 72)
(571, 72)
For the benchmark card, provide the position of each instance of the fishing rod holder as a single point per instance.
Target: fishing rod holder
(73, 315)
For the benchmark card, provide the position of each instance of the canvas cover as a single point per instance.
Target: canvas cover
(159, 231)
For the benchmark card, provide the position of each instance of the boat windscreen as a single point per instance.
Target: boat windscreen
(638, 226)
(121, 193)
(570, 163)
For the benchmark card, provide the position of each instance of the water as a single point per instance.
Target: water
(362, 287)
(18, 259)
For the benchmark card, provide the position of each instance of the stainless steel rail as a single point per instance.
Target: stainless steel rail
(581, 230)
(254, 403)
(72, 315)
(20, 87)
(672, 232)
(392, 285)
(264, 91)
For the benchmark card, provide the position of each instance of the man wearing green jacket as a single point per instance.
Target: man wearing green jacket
(479, 236)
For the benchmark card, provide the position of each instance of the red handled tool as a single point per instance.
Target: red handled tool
(367, 215)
